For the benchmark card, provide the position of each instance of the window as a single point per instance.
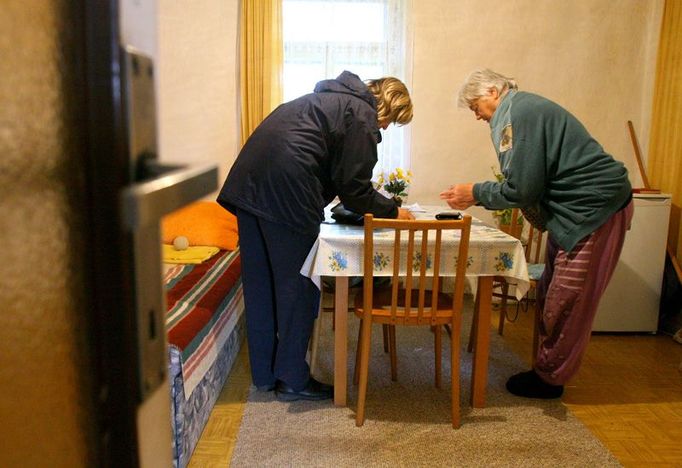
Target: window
(367, 37)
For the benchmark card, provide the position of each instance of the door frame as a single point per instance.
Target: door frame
(110, 258)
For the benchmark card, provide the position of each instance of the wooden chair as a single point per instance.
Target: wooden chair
(314, 344)
(515, 229)
(536, 265)
(534, 252)
(402, 305)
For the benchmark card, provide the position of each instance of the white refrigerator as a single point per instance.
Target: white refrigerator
(631, 300)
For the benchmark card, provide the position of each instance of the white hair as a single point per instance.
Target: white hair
(479, 82)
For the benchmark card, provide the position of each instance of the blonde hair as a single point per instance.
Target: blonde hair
(479, 82)
(393, 100)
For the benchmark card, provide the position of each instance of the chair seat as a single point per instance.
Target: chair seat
(535, 270)
(382, 313)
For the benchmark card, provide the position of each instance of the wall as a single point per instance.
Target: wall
(197, 81)
(594, 57)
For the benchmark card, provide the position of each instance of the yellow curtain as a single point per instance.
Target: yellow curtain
(665, 147)
(261, 60)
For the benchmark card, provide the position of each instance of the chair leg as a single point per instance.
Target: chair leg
(315, 341)
(537, 316)
(356, 371)
(437, 344)
(365, 337)
(334, 314)
(472, 331)
(384, 329)
(503, 308)
(315, 338)
(455, 365)
(394, 354)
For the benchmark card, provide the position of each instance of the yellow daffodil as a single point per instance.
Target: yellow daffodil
(395, 182)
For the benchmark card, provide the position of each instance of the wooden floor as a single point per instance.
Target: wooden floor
(628, 392)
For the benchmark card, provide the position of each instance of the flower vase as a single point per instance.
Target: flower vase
(398, 201)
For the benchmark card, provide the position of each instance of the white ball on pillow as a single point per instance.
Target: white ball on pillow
(180, 243)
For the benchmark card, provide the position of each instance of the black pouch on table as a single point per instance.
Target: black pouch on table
(343, 216)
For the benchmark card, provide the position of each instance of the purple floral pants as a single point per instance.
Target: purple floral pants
(568, 294)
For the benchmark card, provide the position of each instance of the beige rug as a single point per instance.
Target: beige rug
(408, 421)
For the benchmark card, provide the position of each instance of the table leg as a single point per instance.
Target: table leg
(479, 379)
(341, 341)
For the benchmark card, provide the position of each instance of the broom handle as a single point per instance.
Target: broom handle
(676, 264)
(669, 249)
(635, 144)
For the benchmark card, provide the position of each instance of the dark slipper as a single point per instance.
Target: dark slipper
(313, 390)
(530, 385)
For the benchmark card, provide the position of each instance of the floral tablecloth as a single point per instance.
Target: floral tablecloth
(338, 251)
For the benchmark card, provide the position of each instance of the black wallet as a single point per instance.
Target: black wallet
(449, 215)
(343, 216)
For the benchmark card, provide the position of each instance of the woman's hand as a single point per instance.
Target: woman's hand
(459, 197)
(404, 213)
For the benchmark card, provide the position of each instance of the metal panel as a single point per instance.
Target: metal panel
(46, 404)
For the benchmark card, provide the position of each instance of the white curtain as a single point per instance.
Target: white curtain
(370, 38)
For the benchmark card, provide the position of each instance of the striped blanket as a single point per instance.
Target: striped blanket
(204, 303)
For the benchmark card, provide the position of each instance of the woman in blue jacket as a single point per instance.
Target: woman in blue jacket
(305, 153)
(564, 182)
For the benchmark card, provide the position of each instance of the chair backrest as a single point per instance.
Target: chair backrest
(534, 245)
(415, 264)
(516, 226)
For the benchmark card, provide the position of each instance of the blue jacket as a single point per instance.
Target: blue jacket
(306, 152)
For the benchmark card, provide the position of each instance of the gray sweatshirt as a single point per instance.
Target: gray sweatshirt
(551, 164)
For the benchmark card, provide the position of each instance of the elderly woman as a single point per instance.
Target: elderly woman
(300, 157)
(566, 183)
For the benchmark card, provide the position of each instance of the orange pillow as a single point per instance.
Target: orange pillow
(202, 223)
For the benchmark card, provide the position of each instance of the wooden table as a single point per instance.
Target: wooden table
(338, 253)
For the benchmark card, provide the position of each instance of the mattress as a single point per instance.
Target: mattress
(205, 329)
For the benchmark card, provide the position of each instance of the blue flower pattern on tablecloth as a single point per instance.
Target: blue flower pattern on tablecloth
(339, 261)
(504, 261)
(417, 261)
(490, 253)
(470, 260)
(381, 261)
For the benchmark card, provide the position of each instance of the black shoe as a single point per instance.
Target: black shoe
(265, 388)
(313, 390)
(529, 384)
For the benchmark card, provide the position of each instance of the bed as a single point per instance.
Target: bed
(205, 330)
